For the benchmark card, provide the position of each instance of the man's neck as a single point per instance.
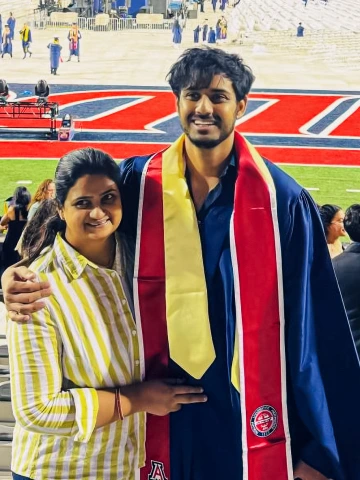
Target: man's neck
(205, 167)
(209, 162)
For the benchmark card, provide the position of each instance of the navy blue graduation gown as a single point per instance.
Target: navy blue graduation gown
(323, 373)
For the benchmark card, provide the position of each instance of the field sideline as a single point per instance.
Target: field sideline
(339, 185)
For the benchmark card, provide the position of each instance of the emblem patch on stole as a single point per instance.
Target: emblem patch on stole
(264, 421)
(157, 471)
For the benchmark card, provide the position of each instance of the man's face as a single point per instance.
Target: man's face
(208, 115)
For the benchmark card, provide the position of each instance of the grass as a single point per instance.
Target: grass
(331, 181)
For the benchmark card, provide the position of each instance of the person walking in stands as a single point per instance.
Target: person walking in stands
(300, 30)
(74, 37)
(6, 42)
(82, 413)
(26, 39)
(55, 55)
(12, 22)
(259, 325)
(14, 221)
(177, 33)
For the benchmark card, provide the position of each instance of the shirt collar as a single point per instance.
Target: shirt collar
(73, 263)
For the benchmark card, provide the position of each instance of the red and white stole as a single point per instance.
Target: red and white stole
(171, 305)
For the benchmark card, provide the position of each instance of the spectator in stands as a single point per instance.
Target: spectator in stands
(176, 33)
(214, 2)
(332, 217)
(347, 269)
(26, 39)
(55, 55)
(300, 30)
(6, 42)
(14, 221)
(79, 357)
(74, 37)
(12, 22)
(45, 190)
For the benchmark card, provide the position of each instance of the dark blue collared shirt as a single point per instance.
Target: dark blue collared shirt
(196, 429)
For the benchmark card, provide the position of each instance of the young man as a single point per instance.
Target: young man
(234, 291)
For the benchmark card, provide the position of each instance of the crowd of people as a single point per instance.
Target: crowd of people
(180, 313)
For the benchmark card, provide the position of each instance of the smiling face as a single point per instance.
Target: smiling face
(208, 115)
(92, 211)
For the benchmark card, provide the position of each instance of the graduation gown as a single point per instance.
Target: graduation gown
(323, 373)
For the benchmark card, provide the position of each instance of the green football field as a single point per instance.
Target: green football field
(339, 185)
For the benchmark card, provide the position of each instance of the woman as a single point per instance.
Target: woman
(45, 190)
(332, 217)
(81, 414)
(14, 221)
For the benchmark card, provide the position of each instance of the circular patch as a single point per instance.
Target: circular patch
(264, 421)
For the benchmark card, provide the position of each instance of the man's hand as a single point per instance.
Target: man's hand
(22, 293)
(304, 472)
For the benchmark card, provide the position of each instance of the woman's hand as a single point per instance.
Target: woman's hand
(159, 397)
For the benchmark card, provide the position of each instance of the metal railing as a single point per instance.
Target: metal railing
(114, 24)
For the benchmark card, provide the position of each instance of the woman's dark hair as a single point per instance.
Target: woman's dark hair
(197, 66)
(71, 167)
(327, 213)
(352, 222)
(21, 200)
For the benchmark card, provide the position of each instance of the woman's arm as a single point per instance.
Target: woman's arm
(9, 215)
(40, 405)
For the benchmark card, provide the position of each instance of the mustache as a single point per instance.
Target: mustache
(209, 118)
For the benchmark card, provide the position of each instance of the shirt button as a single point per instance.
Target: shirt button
(123, 301)
(137, 363)
(134, 332)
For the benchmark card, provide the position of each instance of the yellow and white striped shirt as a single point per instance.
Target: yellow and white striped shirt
(84, 338)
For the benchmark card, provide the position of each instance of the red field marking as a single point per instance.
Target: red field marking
(288, 114)
(292, 155)
(351, 124)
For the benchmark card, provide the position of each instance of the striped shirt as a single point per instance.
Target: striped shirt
(84, 339)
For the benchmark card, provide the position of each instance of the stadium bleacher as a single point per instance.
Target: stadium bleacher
(6, 415)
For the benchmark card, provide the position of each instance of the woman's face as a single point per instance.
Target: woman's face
(50, 191)
(336, 227)
(92, 210)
